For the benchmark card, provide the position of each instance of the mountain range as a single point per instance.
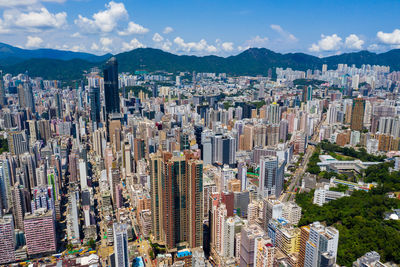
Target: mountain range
(67, 65)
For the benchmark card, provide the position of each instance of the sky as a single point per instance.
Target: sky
(202, 27)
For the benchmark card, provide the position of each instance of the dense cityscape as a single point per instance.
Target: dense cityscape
(199, 133)
(201, 169)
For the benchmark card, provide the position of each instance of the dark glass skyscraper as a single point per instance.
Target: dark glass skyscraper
(94, 95)
(111, 86)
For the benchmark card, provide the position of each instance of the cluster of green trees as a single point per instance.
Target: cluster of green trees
(388, 181)
(259, 104)
(360, 154)
(312, 166)
(360, 217)
(3, 145)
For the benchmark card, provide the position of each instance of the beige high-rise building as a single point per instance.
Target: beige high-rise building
(99, 140)
(248, 133)
(177, 175)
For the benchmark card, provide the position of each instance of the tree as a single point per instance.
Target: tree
(92, 243)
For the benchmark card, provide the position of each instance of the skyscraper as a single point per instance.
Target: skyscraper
(274, 113)
(17, 142)
(271, 176)
(121, 245)
(2, 91)
(94, 95)
(40, 232)
(321, 241)
(29, 98)
(357, 114)
(59, 107)
(111, 93)
(7, 239)
(177, 202)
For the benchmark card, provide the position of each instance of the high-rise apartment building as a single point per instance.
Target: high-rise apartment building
(121, 245)
(271, 176)
(322, 240)
(248, 249)
(274, 113)
(40, 232)
(177, 201)
(17, 142)
(357, 114)
(7, 239)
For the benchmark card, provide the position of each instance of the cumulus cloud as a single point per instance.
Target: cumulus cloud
(76, 35)
(168, 30)
(200, 46)
(375, 48)
(166, 46)
(157, 38)
(133, 44)
(103, 21)
(78, 48)
(3, 27)
(354, 42)
(227, 46)
(327, 43)
(104, 41)
(35, 20)
(33, 41)
(134, 28)
(285, 34)
(95, 47)
(12, 3)
(103, 46)
(257, 41)
(391, 38)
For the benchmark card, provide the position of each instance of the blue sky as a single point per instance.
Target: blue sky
(202, 27)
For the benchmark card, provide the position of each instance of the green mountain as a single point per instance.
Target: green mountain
(65, 65)
(11, 55)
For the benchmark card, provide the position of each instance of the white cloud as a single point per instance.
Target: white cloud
(95, 47)
(3, 27)
(286, 35)
(104, 21)
(157, 38)
(134, 28)
(200, 46)
(391, 38)
(255, 42)
(78, 48)
(166, 46)
(327, 43)
(168, 30)
(104, 41)
(35, 20)
(8, 3)
(103, 46)
(242, 48)
(33, 41)
(76, 35)
(133, 44)
(354, 42)
(227, 46)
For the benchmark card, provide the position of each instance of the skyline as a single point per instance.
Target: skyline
(221, 28)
